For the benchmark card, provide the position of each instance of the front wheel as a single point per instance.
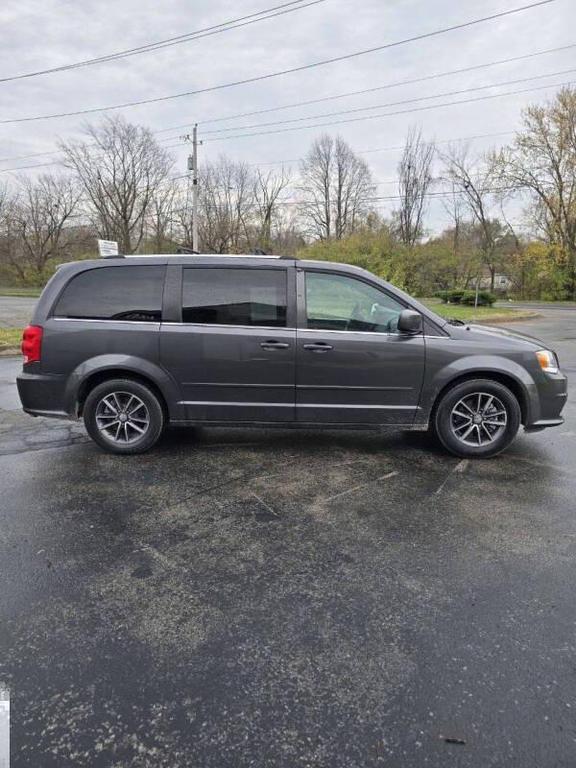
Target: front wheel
(123, 416)
(477, 418)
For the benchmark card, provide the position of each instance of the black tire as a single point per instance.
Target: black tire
(116, 393)
(498, 431)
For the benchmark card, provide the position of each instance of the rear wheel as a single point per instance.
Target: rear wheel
(123, 416)
(477, 418)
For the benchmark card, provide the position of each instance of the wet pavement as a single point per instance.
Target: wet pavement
(274, 598)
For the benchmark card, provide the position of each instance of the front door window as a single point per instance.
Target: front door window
(341, 303)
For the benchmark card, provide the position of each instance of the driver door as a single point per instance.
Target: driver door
(352, 365)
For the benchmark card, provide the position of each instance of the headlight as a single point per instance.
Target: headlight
(548, 361)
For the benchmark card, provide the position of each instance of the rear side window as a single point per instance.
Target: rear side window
(114, 293)
(234, 296)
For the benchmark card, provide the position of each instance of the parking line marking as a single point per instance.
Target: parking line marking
(460, 468)
(163, 559)
(268, 507)
(359, 487)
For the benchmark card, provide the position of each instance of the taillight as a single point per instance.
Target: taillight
(32, 343)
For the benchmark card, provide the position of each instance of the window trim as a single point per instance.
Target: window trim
(223, 326)
(155, 323)
(302, 307)
(176, 293)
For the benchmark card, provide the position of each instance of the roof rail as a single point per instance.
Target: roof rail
(243, 255)
(183, 251)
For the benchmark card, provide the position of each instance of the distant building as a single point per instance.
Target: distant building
(502, 283)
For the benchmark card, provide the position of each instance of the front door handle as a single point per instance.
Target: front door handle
(272, 344)
(318, 346)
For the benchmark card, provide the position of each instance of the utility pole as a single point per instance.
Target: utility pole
(193, 168)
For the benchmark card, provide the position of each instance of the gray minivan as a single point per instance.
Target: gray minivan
(131, 344)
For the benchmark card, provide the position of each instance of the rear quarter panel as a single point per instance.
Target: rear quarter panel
(75, 349)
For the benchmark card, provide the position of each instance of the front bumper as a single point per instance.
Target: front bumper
(42, 394)
(552, 394)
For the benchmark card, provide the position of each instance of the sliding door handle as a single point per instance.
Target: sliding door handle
(272, 345)
(318, 346)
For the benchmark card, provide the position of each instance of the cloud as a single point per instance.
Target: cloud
(45, 33)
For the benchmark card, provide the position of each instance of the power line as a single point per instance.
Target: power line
(58, 152)
(224, 26)
(181, 143)
(364, 91)
(389, 114)
(325, 98)
(396, 148)
(384, 198)
(25, 167)
(292, 70)
(389, 104)
(442, 141)
(28, 157)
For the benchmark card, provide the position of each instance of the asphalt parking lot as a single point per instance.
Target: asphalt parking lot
(281, 599)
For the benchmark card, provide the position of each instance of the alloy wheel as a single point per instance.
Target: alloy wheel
(478, 419)
(122, 418)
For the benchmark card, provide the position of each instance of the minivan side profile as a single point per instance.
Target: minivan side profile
(132, 344)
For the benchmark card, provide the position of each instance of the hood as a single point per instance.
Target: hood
(487, 331)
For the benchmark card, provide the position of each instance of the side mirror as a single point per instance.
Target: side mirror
(410, 322)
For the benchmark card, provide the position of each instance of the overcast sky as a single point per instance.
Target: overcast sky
(37, 34)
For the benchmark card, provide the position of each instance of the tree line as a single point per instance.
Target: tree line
(118, 183)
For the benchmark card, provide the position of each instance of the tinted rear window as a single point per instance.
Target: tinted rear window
(114, 293)
(234, 297)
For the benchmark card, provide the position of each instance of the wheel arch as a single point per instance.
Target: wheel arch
(94, 372)
(502, 377)
(99, 377)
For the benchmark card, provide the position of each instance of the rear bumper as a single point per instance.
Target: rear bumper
(42, 394)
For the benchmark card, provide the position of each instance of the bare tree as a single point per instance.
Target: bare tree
(474, 179)
(454, 207)
(288, 237)
(42, 213)
(337, 186)
(267, 191)
(182, 214)
(120, 168)
(316, 186)
(414, 181)
(161, 217)
(225, 206)
(542, 161)
(10, 251)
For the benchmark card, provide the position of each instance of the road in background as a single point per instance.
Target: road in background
(16, 311)
(538, 306)
(277, 598)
